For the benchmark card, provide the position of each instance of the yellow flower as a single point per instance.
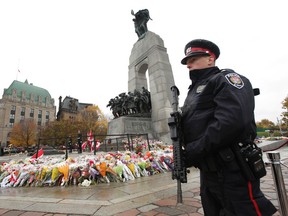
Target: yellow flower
(55, 174)
(131, 166)
(64, 169)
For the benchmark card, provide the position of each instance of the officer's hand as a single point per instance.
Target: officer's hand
(188, 161)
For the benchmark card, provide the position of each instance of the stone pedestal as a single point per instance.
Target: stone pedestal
(131, 125)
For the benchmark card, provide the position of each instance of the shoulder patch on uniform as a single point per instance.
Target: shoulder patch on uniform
(235, 80)
(200, 88)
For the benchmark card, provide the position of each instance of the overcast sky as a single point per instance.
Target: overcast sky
(81, 48)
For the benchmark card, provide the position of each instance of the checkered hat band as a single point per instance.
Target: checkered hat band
(190, 50)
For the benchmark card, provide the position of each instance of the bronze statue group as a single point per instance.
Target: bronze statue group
(135, 103)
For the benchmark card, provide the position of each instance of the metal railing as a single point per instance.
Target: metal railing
(275, 162)
(115, 139)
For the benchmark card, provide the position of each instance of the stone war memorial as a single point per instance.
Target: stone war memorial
(141, 111)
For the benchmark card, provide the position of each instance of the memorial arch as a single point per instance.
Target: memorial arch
(149, 55)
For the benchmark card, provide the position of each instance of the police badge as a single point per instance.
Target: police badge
(200, 88)
(234, 80)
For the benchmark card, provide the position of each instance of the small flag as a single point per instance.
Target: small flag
(40, 154)
(97, 144)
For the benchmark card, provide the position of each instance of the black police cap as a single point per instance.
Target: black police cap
(200, 47)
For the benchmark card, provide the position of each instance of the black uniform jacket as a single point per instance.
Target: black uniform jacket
(218, 112)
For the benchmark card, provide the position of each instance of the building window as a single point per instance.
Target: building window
(22, 112)
(47, 114)
(12, 116)
(11, 124)
(39, 117)
(47, 117)
(13, 109)
(32, 113)
(22, 118)
(40, 114)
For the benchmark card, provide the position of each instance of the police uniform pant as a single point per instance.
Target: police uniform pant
(228, 193)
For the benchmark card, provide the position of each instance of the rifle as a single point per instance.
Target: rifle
(179, 171)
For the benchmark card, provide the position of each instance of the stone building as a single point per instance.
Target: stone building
(69, 108)
(21, 101)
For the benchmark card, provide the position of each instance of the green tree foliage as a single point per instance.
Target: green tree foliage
(265, 123)
(285, 113)
(282, 124)
(56, 132)
(24, 133)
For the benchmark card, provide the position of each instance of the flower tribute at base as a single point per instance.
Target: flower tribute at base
(87, 169)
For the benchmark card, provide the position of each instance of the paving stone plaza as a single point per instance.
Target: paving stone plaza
(152, 195)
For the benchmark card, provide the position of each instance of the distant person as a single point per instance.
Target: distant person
(218, 120)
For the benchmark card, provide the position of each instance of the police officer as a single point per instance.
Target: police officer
(218, 113)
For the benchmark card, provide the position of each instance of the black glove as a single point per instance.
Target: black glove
(188, 161)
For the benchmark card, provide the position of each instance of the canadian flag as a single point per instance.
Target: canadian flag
(40, 154)
(90, 142)
(97, 144)
(90, 137)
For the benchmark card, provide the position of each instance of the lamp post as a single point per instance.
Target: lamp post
(79, 141)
